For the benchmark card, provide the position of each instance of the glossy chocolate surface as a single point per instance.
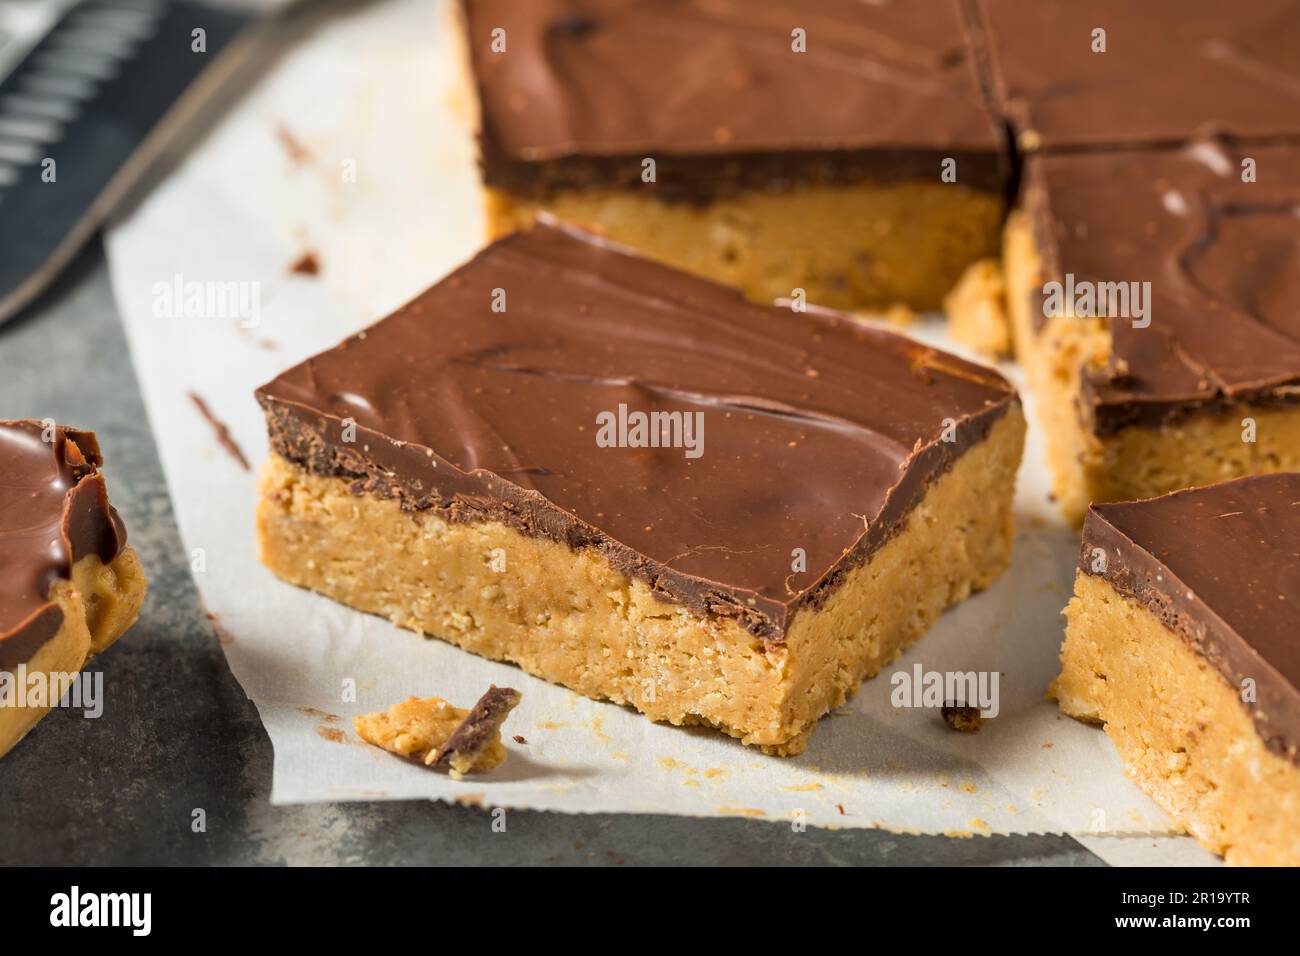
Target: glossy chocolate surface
(820, 432)
(1222, 257)
(1171, 69)
(1221, 567)
(715, 92)
(53, 512)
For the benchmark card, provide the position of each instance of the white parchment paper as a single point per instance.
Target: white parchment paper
(377, 92)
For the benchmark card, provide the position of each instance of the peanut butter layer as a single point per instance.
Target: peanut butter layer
(95, 606)
(854, 246)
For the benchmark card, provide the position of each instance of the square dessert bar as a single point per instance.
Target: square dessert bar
(773, 146)
(69, 585)
(1154, 304)
(630, 481)
(1114, 73)
(1184, 640)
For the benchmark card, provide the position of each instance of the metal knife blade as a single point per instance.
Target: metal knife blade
(85, 110)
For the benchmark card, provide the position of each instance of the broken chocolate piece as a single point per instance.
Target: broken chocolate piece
(477, 731)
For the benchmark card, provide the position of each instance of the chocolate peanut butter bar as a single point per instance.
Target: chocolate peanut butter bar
(842, 148)
(631, 481)
(69, 585)
(1184, 640)
(1154, 305)
(1113, 73)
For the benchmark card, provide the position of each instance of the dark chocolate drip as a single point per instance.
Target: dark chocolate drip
(221, 432)
(53, 511)
(1220, 566)
(821, 432)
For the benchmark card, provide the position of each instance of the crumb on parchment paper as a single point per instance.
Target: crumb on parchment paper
(962, 718)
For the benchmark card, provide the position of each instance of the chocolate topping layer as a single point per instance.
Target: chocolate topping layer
(53, 512)
(1222, 257)
(1171, 69)
(1220, 566)
(820, 432)
(715, 92)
